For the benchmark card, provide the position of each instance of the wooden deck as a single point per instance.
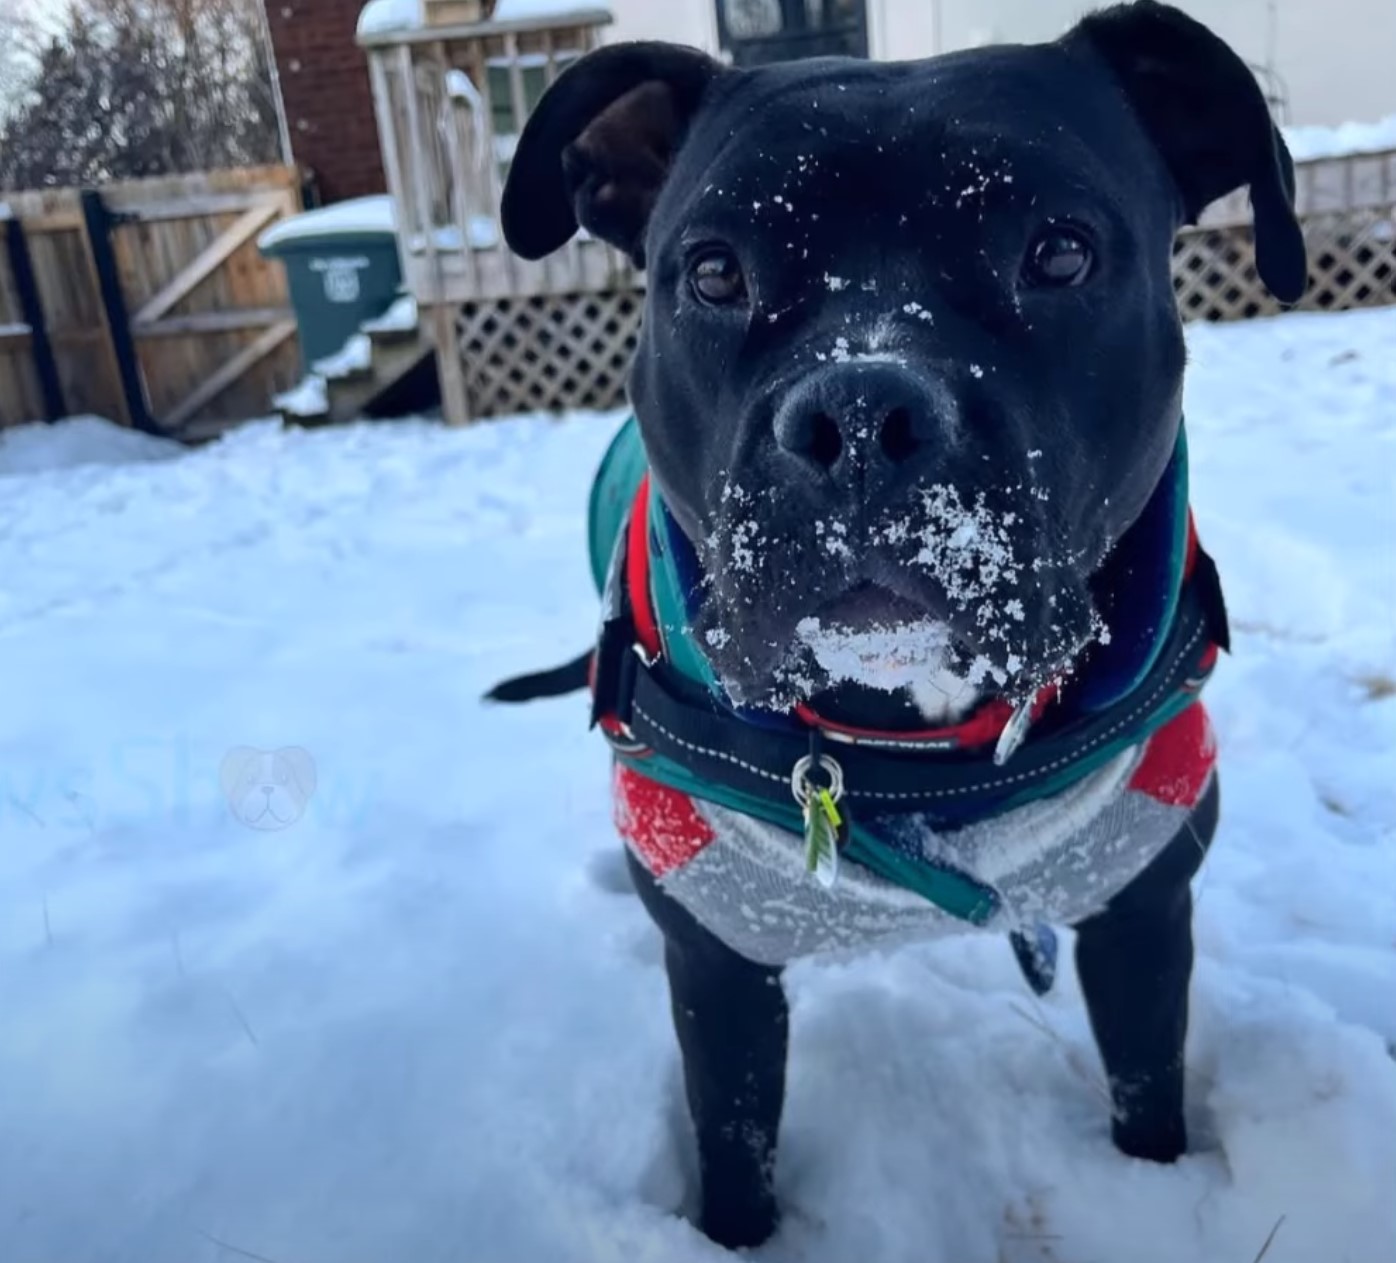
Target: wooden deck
(450, 103)
(519, 336)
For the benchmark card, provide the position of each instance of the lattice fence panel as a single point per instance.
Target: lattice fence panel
(548, 353)
(1352, 263)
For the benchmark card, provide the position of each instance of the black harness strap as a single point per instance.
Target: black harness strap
(645, 707)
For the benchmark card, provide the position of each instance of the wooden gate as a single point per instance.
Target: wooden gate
(146, 301)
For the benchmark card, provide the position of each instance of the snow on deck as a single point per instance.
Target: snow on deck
(355, 356)
(401, 317)
(422, 1022)
(380, 16)
(530, 10)
(1307, 143)
(307, 398)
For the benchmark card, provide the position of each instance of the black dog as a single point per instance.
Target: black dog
(909, 387)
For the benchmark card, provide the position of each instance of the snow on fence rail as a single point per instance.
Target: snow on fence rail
(146, 300)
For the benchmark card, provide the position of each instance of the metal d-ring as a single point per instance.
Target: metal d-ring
(800, 785)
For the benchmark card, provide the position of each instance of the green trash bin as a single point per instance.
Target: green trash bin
(342, 268)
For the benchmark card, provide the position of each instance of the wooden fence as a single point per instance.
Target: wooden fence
(146, 301)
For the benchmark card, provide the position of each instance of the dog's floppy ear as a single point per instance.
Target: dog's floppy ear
(598, 147)
(1205, 113)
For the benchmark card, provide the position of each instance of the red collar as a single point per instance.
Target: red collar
(982, 729)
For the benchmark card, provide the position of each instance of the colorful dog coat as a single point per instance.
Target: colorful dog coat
(1048, 840)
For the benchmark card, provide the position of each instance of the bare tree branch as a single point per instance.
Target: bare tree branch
(129, 88)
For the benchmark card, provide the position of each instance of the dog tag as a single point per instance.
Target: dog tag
(825, 830)
(1036, 950)
(1014, 734)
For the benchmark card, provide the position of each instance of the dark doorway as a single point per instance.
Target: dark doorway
(756, 31)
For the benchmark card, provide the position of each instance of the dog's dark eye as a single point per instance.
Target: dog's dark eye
(716, 277)
(1058, 257)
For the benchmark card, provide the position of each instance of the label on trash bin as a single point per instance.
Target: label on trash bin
(341, 276)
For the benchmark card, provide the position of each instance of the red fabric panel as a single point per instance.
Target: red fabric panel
(1178, 760)
(661, 824)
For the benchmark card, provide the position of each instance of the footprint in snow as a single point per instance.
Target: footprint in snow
(608, 871)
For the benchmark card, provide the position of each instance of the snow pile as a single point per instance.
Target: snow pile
(78, 441)
(530, 10)
(309, 398)
(460, 86)
(1308, 143)
(381, 16)
(401, 317)
(360, 216)
(484, 234)
(355, 356)
(425, 1023)
(371, 216)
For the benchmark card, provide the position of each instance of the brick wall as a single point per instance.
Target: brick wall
(324, 84)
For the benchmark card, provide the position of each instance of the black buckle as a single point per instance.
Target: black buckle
(617, 662)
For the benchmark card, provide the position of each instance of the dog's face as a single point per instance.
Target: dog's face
(268, 789)
(861, 382)
(911, 363)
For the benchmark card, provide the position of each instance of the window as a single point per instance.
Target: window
(755, 31)
(753, 19)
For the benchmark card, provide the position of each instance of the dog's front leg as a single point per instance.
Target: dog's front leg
(733, 1027)
(1135, 964)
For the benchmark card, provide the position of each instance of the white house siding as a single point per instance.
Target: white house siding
(681, 21)
(1337, 58)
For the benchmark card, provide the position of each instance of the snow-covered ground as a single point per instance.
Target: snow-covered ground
(424, 1022)
(78, 441)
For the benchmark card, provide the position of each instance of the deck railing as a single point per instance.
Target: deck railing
(1347, 206)
(450, 101)
(518, 336)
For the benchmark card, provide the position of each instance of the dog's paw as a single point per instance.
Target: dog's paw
(1163, 1143)
(740, 1227)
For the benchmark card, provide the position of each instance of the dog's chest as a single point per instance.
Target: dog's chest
(1056, 860)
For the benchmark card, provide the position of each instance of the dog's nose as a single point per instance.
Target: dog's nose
(847, 419)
